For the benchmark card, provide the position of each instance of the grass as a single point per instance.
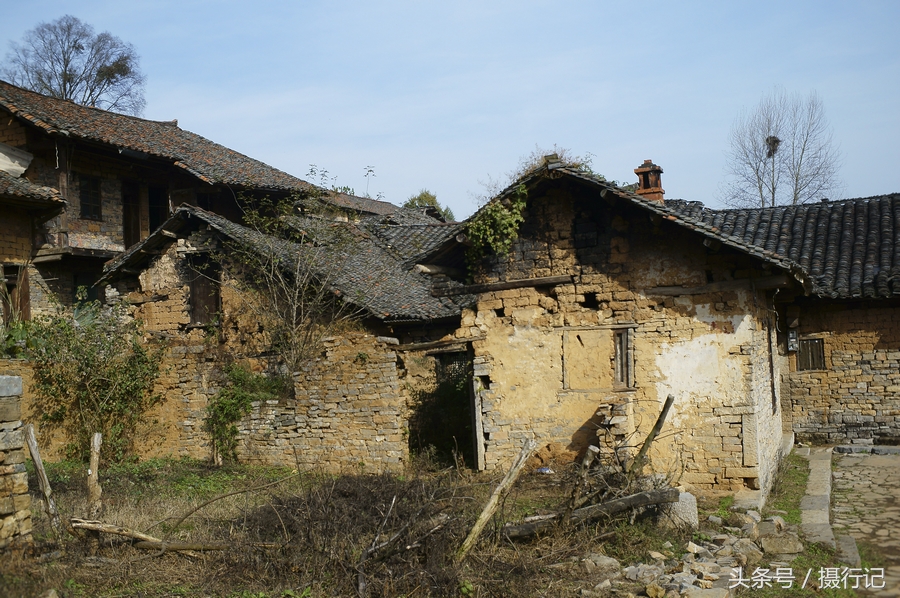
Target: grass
(789, 488)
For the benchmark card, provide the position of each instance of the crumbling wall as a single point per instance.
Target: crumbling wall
(545, 364)
(349, 412)
(856, 397)
(15, 502)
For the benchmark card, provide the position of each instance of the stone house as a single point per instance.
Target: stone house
(842, 337)
(121, 177)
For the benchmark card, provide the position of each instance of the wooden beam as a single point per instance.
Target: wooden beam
(769, 282)
(502, 286)
(168, 233)
(436, 344)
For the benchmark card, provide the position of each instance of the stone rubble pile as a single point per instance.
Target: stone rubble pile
(706, 567)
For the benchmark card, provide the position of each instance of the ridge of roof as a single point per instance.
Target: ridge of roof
(209, 161)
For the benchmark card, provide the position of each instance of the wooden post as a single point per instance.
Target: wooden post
(94, 489)
(638, 461)
(49, 503)
(494, 501)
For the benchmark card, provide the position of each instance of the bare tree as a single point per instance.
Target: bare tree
(65, 59)
(782, 153)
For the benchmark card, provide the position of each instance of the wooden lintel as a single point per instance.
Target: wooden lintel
(168, 233)
(149, 299)
(150, 252)
(436, 344)
(769, 282)
(55, 257)
(502, 286)
(130, 271)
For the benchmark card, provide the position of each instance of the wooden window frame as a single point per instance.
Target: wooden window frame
(90, 196)
(623, 376)
(205, 294)
(811, 355)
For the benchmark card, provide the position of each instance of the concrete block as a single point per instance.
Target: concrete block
(682, 513)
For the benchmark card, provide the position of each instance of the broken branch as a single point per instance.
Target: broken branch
(494, 501)
(642, 499)
(49, 503)
(638, 461)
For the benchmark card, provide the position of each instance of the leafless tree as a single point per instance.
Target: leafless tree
(782, 153)
(66, 59)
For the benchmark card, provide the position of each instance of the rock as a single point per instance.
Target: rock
(645, 574)
(680, 582)
(704, 569)
(657, 556)
(723, 539)
(693, 548)
(714, 520)
(51, 593)
(667, 544)
(681, 514)
(787, 543)
(747, 549)
(779, 522)
(726, 550)
(754, 516)
(600, 564)
(603, 585)
(750, 530)
(767, 528)
(655, 591)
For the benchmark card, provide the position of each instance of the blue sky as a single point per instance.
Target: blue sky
(446, 95)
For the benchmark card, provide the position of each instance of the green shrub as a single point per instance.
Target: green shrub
(233, 402)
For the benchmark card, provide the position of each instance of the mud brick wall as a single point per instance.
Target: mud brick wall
(545, 365)
(15, 236)
(856, 398)
(15, 502)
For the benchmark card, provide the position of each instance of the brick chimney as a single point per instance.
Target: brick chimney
(649, 181)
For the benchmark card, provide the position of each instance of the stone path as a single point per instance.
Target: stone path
(866, 505)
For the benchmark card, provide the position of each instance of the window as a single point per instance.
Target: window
(811, 354)
(622, 359)
(89, 195)
(205, 298)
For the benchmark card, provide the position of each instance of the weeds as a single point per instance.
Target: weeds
(789, 487)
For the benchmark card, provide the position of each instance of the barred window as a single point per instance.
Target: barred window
(622, 363)
(89, 195)
(811, 354)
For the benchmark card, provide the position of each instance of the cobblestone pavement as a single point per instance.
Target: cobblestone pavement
(866, 505)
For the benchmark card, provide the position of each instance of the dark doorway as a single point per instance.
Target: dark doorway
(159, 207)
(441, 422)
(131, 213)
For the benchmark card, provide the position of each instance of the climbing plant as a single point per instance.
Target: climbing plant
(233, 403)
(496, 226)
(93, 372)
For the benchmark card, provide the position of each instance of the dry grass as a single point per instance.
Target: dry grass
(312, 535)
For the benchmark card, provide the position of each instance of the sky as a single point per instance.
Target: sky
(450, 96)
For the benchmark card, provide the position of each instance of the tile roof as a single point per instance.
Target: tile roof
(201, 157)
(848, 248)
(26, 193)
(368, 275)
(414, 241)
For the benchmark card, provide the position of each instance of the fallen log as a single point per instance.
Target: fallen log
(179, 546)
(642, 499)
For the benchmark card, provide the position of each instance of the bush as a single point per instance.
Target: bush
(93, 373)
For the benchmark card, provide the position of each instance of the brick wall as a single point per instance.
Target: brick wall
(15, 235)
(856, 398)
(15, 502)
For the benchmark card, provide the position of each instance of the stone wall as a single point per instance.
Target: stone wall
(856, 398)
(544, 362)
(349, 412)
(15, 502)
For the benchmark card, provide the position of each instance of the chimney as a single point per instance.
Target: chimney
(649, 181)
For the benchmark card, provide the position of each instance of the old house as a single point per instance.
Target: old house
(121, 178)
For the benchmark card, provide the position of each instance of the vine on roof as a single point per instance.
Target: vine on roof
(496, 226)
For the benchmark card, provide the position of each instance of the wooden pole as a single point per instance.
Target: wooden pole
(638, 461)
(494, 501)
(49, 503)
(94, 489)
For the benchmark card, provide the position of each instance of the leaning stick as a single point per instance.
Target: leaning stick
(49, 503)
(494, 501)
(638, 461)
(93, 483)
